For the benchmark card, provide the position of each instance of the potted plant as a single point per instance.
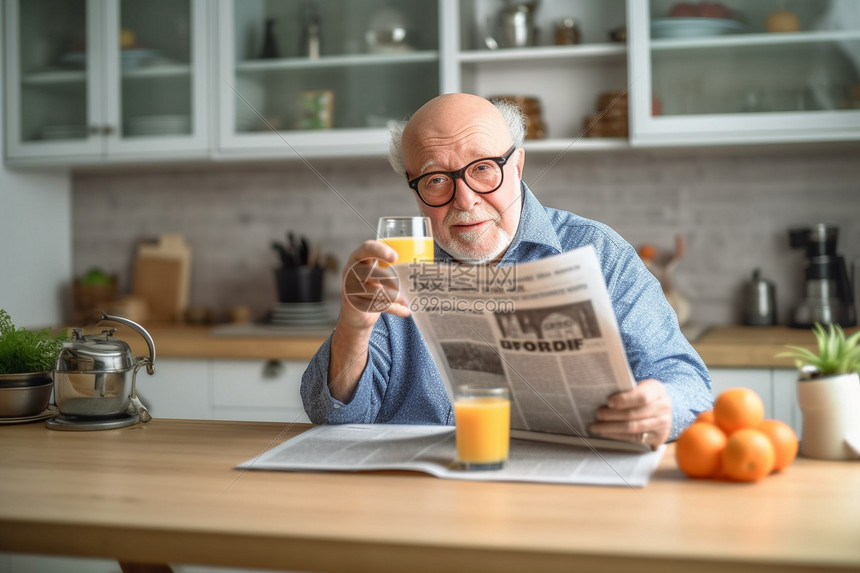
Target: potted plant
(828, 393)
(26, 361)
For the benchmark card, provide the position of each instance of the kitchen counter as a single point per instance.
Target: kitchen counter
(719, 346)
(166, 492)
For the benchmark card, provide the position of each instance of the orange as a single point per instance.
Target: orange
(707, 416)
(748, 456)
(699, 449)
(647, 252)
(784, 442)
(738, 408)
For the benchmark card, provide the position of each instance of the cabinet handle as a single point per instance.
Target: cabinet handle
(107, 130)
(95, 130)
(273, 369)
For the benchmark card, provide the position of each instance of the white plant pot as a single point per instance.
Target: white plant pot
(831, 417)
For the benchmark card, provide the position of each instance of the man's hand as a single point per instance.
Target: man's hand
(643, 414)
(370, 287)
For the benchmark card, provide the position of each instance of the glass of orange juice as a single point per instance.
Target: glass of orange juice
(411, 237)
(483, 419)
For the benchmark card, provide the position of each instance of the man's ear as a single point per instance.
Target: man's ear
(521, 161)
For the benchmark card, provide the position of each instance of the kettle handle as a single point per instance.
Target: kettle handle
(141, 331)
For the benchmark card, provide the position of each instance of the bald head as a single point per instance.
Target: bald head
(443, 118)
(466, 122)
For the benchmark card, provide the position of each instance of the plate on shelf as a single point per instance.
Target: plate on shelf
(300, 313)
(693, 27)
(158, 125)
(74, 59)
(135, 58)
(64, 132)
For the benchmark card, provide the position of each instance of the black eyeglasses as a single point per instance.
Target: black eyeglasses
(483, 176)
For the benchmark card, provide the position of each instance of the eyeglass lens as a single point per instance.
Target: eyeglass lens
(483, 176)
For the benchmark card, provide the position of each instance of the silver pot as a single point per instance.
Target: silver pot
(95, 375)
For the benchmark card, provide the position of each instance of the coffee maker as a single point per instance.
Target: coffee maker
(828, 297)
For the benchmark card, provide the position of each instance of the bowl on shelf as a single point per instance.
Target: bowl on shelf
(693, 27)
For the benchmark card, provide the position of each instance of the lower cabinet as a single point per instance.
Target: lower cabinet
(776, 386)
(216, 389)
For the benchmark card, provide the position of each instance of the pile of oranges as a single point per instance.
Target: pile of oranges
(734, 441)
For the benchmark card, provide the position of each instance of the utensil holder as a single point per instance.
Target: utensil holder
(299, 284)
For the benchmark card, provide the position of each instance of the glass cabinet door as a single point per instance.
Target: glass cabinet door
(759, 70)
(156, 68)
(320, 65)
(52, 106)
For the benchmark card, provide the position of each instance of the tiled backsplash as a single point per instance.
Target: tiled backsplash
(732, 206)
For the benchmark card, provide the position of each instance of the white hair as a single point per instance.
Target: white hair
(513, 116)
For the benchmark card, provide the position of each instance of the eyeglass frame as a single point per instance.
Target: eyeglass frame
(501, 161)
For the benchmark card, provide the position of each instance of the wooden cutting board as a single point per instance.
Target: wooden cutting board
(162, 277)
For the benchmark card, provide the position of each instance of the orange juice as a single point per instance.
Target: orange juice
(483, 429)
(411, 249)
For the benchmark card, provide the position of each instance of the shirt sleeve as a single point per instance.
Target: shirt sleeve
(322, 408)
(655, 346)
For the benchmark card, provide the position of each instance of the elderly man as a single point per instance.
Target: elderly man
(463, 159)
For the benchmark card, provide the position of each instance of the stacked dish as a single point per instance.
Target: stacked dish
(70, 131)
(148, 125)
(300, 314)
(135, 58)
(694, 27)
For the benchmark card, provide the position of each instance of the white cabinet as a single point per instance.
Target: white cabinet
(257, 390)
(775, 386)
(89, 81)
(323, 78)
(92, 79)
(221, 389)
(178, 389)
(565, 81)
(730, 80)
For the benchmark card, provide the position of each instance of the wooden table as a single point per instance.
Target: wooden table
(165, 492)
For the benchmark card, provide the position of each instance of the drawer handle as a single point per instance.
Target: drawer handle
(273, 369)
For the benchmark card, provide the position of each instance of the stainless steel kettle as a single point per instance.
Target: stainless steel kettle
(759, 301)
(95, 375)
(516, 25)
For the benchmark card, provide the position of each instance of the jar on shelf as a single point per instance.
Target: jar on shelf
(566, 32)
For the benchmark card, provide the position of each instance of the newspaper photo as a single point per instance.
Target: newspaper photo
(545, 329)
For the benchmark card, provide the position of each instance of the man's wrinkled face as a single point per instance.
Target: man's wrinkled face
(475, 228)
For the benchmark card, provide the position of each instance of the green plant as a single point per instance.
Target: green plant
(23, 351)
(836, 354)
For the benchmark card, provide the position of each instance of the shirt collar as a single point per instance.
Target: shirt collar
(534, 228)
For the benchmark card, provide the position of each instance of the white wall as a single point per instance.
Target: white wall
(35, 238)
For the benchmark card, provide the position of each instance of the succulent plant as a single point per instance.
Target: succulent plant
(836, 353)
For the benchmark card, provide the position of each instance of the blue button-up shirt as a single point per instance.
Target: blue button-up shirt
(402, 385)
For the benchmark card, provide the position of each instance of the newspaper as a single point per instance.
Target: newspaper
(432, 450)
(545, 329)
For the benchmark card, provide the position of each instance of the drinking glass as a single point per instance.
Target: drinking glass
(411, 237)
(483, 420)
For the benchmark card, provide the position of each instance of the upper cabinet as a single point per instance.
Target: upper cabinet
(322, 77)
(744, 72)
(90, 79)
(563, 61)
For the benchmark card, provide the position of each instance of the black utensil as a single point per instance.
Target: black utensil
(304, 251)
(287, 258)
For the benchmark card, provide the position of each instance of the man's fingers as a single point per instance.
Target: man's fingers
(642, 394)
(606, 414)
